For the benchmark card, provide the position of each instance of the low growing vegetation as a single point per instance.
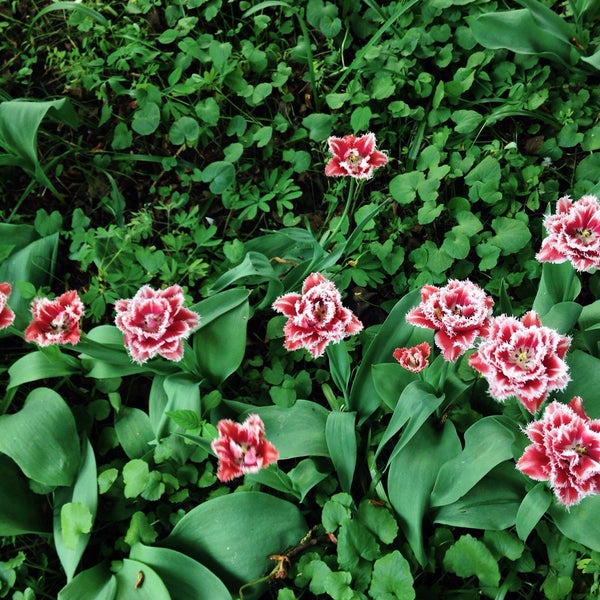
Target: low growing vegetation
(300, 299)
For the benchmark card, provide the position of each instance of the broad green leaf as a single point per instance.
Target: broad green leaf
(236, 545)
(21, 511)
(31, 262)
(38, 365)
(215, 306)
(557, 284)
(178, 394)
(580, 523)
(340, 433)
(307, 420)
(411, 477)
(469, 556)
(415, 404)
(274, 478)
(562, 317)
(390, 379)
(97, 583)
(549, 20)
(585, 379)
(395, 332)
(392, 578)
(255, 268)
(134, 432)
(74, 513)
(488, 442)
(305, 476)
(137, 581)
(74, 7)
(105, 343)
(42, 439)
(339, 365)
(532, 509)
(220, 344)
(20, 121)
(518, 31)
(184, 577)
(492, 503)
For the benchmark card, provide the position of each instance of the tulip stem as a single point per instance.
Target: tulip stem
(567, 291)
(349, 203)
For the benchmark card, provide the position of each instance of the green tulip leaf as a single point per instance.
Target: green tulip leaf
(183, 576)
(234, 535)
(42, 439)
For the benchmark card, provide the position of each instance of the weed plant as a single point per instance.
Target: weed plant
(183, 143)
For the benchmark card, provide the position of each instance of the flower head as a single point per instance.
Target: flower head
(7, 316)
(55, 321)
(522, 358)
(565, 451)
(316, 317)
(460, 312)
(242, 448)
(573, 234)
(155, 322)
(354, 156)
(414, 358)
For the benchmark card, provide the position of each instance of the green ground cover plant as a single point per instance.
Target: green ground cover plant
(299, 299)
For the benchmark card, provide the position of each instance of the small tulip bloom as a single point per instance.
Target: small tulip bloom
(155, 322)
(565, 451)
(413, 359)
(55, 321)
(522, 358)
(459, 312)
(7, 316)
(316, 317)
(354, 156)
(573, 234)
(242, 448)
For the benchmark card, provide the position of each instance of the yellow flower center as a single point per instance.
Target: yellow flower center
(521, 357)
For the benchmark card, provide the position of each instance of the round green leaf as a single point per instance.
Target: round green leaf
(42, 439)
(74, 513)
(219, 175)
(184, 131)
(146, 119)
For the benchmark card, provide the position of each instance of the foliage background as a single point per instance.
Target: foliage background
(184, 142)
